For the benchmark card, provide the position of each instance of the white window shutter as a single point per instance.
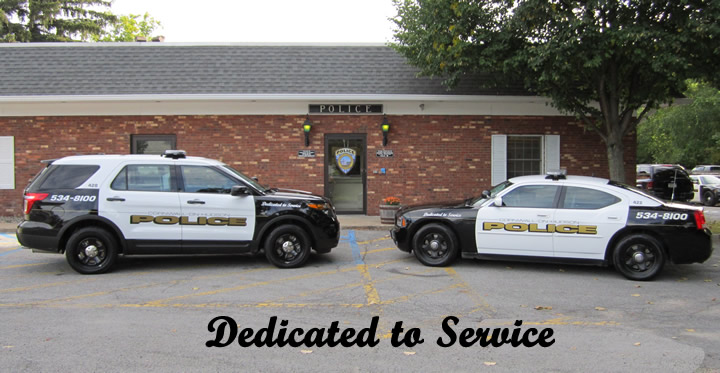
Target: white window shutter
(7, 162)
(552, 153)
(498, 159)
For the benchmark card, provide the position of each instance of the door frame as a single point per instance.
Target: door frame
(363, 170)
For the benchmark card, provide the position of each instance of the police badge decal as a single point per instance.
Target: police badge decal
(345, 159)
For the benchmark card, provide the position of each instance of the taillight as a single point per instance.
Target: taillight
(650, 184)
(700, 219)
(30, 199)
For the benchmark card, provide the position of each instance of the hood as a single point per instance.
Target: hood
(435, 206)
(290, 194)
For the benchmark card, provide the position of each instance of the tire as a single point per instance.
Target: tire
(287, 246)
(91, 251)
(435, 245)
(709, 198)
(639, 257)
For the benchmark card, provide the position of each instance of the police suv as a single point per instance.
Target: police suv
(558, 218)
(93, 208)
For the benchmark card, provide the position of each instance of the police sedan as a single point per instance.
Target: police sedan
(558, 218)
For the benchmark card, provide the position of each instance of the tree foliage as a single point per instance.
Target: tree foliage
(52, 20)
(608, 62)
(129, 27)
(684, 134)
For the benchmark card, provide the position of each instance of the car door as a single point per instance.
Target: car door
(142, 200)
(520, 225)
(590, 217)
(211, 215)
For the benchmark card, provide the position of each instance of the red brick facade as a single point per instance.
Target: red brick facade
(436, 158)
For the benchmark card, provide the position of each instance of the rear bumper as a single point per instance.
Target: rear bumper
(695, 247)
(37, 236)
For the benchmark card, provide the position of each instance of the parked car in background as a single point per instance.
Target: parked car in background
(665, 181)
(706, 170)
(707, 188)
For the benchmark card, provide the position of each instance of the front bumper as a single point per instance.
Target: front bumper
(401, 239)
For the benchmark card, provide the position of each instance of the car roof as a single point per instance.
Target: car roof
(570, 178)
(117, 158)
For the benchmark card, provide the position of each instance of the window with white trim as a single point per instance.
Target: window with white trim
(7, 162)
(152, 144)
(519, 155)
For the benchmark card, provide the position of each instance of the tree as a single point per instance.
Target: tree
(608, 62)
(52, 20)
(129, 27)
(685, 134)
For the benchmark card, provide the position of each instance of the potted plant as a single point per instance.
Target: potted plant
(388, 209)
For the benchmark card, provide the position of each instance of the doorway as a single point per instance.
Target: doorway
(345, 172)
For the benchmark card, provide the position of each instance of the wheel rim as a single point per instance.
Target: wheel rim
(287, 247)
(708, 198)
(434, 245)
(91, 252)
(640, 258)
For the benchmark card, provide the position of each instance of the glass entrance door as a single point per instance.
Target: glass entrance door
(345, 172)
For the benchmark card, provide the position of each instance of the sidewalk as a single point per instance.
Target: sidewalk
(361, 222)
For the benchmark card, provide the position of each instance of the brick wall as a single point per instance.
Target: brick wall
(437, 158)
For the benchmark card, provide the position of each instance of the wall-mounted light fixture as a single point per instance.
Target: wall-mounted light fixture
(385, 126)
(307, 126)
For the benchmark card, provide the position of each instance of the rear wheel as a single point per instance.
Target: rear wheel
(639, 257)
(709, 198)
(435, 245)
(91, 250)
(288, 246)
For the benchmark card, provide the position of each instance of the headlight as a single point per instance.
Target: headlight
(317, 206)
(401, 222)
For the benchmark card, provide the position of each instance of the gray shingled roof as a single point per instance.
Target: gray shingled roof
(165, 68)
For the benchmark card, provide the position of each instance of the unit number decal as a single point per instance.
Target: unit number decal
(664, 216)
(67, 197)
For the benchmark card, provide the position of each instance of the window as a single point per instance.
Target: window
(199, 179)
(151, 144)
(513, 155)
(146, 178)
(533, 196)
(587, 199)
(65, 176)
(524, 156)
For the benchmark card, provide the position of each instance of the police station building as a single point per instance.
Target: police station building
(350, 122)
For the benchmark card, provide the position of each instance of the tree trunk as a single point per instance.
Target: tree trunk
(616, 156)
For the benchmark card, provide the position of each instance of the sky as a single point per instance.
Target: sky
(277, 21)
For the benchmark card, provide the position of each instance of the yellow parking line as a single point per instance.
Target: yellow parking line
(375, 240)
(24, 265)
(41, 286)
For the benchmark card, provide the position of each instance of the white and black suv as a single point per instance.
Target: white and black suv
(94, 207)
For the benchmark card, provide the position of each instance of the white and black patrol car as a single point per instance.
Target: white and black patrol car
(93, 208)
(558, 218)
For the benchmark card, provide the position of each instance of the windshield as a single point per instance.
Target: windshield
(246, 179)
(635, 190)
(492, 193)
(710, 179)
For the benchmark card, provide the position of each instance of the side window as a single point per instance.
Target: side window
(145, 178)
(65, 176)
(201, 179)
(587, 199)
(533, 196)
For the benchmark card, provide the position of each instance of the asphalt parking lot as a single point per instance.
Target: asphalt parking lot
(154, 313)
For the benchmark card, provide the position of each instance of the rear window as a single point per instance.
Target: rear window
(63, 177)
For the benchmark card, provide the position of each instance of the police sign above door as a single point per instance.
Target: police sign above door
(345, 109)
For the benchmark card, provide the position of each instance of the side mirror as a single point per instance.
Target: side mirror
(239, 190)
(498, 201)
(486, 194)
(255, 178)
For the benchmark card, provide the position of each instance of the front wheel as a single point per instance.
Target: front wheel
(639, 257)
(288, 246)
(91, 250)
(435, 245)
(709, 198)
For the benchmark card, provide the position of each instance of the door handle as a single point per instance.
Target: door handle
(543, 215)
(613, 218)
(115, 199)
(196, 202)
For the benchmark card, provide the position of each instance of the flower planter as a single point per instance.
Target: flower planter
(387, 213)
